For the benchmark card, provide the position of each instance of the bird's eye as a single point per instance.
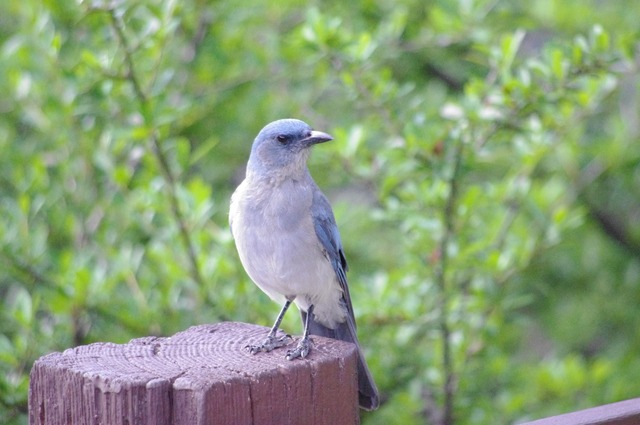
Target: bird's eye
(282, 138)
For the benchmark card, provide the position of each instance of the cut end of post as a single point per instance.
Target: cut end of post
(201, 375)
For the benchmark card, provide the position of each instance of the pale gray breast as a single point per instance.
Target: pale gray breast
(274, 233)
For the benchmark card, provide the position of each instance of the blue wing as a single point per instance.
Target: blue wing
(327, 232)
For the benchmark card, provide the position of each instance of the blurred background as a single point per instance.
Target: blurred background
(484, 174)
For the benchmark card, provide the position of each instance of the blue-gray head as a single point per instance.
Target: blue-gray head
(283, 147)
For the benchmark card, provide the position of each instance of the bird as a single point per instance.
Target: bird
(288, 242)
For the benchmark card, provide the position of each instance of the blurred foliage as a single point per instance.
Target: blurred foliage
(485, 177)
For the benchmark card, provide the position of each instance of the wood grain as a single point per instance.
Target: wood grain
(199, 376)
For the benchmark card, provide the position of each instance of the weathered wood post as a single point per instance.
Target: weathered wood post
(199, 376)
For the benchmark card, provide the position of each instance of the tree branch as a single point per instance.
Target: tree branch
(448, 217)
(162, 159)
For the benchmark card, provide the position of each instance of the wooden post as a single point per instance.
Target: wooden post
(199, 376)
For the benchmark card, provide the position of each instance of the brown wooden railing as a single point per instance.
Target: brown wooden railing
(622, 413)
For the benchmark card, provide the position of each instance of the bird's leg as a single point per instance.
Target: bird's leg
(272, 341)
(304, 345)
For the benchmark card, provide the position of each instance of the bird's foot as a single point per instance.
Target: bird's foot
(302, 349)
(272, 342)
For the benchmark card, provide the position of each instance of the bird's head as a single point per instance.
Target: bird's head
(283, 147)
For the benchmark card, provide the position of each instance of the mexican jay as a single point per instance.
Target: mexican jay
(288, 242)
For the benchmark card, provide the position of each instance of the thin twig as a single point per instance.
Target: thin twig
(133, 78)
(441, 280)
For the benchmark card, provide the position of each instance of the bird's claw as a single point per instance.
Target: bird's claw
(271, 343)
(301, 350)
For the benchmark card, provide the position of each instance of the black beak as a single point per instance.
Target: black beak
(316, 137)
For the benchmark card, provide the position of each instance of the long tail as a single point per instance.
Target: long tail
(367, 390)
